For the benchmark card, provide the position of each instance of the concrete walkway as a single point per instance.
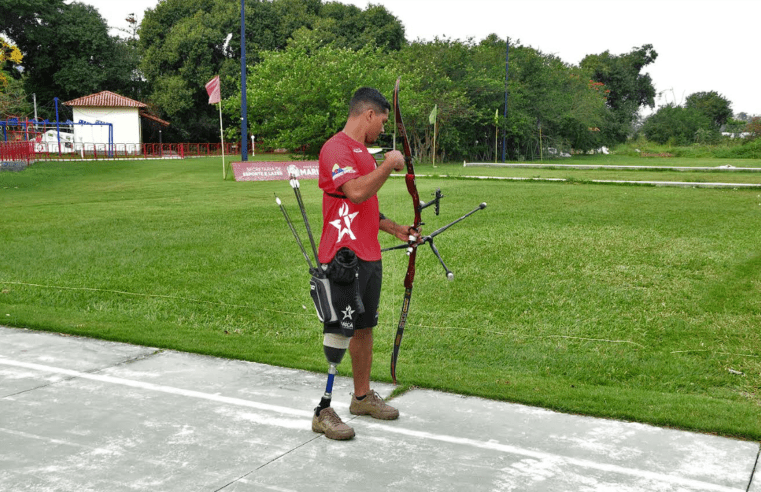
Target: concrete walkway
(86, 415)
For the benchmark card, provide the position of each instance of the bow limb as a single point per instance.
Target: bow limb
(409, 278)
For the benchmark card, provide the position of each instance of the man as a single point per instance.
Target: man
(350, 180)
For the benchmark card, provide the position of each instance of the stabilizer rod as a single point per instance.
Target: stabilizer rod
(442, 229)
(429, 238)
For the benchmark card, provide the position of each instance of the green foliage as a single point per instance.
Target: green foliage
(754, 127)
(750, 149)
(68, 52)
(12, 95)
(184, 43)
(463, 79)
(298, 98)
(181, 43)
(723, 148)
(183, 46)
(9, 55)
(559, 99)
(629, 88)
(698, 121)
(734, 126)
(433, 75)
(675, 125)
(717, 108)
(13, 100)
(347, 26)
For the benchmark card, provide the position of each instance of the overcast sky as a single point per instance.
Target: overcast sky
(702, 45)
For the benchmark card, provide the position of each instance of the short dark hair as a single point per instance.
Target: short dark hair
(368, 98)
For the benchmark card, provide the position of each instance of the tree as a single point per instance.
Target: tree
(716, 107)
(466, 80)
(67, 50)
(12, 95)
(629, 89)
(754, 127)
(183, 45)
(676, 125)
(432, 76)
(734, 126)
(287, 109)
(543, 92)
(698, 121)
(11, 54)
(354, 28)
(13, 100)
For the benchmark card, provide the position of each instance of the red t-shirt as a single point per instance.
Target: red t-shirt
(346, 224)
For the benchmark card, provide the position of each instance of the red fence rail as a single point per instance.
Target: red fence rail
(88, 151)
(34, 150)
(17, 152)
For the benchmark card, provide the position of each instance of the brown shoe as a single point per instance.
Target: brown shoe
(373, 405)
(329, 423)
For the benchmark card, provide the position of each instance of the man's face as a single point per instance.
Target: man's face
(376, 126)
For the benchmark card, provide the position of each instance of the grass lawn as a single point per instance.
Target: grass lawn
(633, 302)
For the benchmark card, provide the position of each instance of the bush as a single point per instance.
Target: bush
(748, 150)
(675, 125)
(726, 149)
(754, 127)
(694, 151)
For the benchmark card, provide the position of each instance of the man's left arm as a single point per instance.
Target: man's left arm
(402, 232)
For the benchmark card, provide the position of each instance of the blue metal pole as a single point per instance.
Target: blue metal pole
(243, 102)
(507, 58)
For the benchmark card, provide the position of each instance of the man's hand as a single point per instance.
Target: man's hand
(401, 232)
(395, 159)
(407, 233)
(360, 189)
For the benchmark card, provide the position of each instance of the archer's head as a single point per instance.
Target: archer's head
(368, 113)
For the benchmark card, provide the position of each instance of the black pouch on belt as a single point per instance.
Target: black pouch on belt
(346, 302)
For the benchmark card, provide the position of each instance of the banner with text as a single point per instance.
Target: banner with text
(274, 171)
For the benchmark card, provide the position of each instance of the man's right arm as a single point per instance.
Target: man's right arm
(360, 189)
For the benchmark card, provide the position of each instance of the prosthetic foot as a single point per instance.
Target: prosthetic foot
(334, 346)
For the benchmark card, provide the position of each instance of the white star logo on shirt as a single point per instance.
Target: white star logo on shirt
(348, 313)
(343, 223)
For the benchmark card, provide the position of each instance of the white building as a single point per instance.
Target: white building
(107, 118)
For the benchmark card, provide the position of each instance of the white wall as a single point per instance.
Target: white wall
(126, 124)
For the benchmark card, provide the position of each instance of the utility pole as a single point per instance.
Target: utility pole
(243, 102)
(57, 126)
(507, 58)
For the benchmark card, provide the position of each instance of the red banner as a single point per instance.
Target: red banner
(274, 171)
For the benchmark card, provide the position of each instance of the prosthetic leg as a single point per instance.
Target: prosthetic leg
(334, 346)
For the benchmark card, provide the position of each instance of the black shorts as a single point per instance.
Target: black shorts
(370, 279)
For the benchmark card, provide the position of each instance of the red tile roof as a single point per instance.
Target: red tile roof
(145, 114)
(106, 99)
